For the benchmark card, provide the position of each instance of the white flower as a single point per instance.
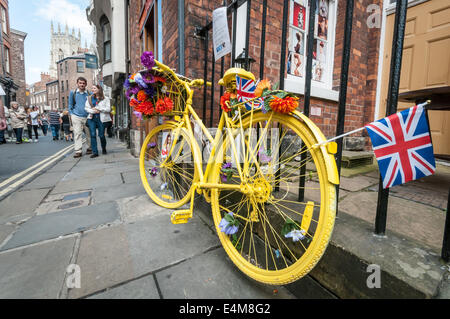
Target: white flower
(296, 235)
(164, 89)
(163, 186)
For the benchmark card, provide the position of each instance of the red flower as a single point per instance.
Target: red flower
(146, 108)
(142, 96)
(286, 105)
(160, 79)
(164, 105)
(134, 102)
(225, 98)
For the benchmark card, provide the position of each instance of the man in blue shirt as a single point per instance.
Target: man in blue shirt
(78, 114)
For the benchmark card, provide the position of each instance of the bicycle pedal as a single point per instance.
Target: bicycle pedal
(181, 217)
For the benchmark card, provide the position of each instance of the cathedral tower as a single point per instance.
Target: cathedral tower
(62, 45)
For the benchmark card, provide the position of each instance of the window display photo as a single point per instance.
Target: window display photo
(297, 41)
(299, 16)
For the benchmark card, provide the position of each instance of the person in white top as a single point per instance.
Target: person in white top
(35, 122)
(98, 108)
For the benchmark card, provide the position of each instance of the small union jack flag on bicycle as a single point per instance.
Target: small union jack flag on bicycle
(245, 90)
(402, 146)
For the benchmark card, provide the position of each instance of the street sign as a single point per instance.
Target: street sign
(91, 61)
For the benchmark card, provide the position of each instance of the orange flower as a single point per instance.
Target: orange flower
(164, 105)
(132, 77)
(264, 84)
(142, 96)
(225, 98)
(286, 105)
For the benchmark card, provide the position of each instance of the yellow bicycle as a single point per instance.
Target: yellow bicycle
(251, 179)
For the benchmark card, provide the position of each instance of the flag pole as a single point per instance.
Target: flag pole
(355, 131)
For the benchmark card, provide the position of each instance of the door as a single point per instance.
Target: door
(425, 64)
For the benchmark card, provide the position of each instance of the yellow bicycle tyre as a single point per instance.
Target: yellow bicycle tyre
(147, 186)
(324, 228)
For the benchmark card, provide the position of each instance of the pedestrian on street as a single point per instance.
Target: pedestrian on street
(98, 106)
(78, 114)
(66, 126)
(4, 114)
(55, 122)
(45, 123)
(29, 126)
(18, 118)
(35, 122)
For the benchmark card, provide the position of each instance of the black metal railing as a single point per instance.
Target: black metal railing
(394, 81)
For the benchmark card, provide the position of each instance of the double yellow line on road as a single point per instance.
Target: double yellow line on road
(32, 171)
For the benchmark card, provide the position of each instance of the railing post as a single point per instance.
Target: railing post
(307, 101)
(392, 101)
(205, 74)
(446, 242)
(343, 87)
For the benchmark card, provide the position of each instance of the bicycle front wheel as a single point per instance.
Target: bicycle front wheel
(167, 166)
(274, 229)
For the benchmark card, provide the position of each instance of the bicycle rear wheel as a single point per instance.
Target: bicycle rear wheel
(266, 231)
(167, 166)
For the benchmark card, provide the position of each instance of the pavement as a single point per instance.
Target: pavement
(92, 217)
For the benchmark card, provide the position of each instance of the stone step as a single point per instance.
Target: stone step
(351, 159)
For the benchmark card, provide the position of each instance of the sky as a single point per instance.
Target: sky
(34, 18)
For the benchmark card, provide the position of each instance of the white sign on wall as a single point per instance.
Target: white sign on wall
(221, 35)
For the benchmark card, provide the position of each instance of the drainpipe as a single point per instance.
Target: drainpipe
(127, 68)
(181, 36)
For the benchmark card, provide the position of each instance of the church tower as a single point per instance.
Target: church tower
(62, 45)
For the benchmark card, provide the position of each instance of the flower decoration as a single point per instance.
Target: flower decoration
(142, 96)
(296, 235)
(140, 81)
(291, 230)
(265, 156)
(164, 105)
(148, 77)
(283, 105)
(160, 79)
(229, 225)
(152, 145)
(226, 172)
(148, 60)
(138, 115)
(262, 85)
(154, 171)
(227, 101)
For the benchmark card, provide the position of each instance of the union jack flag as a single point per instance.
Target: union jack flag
(245, 90)
(402, 146)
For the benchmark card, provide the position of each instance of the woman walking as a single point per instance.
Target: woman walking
(35, 122)
(98, 107)
(45, 123)
(66, 126)
(18, 118)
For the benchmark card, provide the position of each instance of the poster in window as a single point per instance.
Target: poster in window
(297, 41)
(297, 64)
(289, 63)
(322, 27)
(323, 8)
(318, 71)
(321, 53)
(299, 16)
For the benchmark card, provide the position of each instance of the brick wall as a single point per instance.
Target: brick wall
(363, 60)
(18, 66)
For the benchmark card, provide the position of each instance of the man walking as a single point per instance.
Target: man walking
(77, 103)
(55, 122)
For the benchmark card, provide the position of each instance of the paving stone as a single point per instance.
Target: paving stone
(57, 206)
(87, 183)
(132, 177)
(61, 196)
(35, 272)
(200, 277)
(156, 243)
(47, 180)
(64, 166)
(143, 288)
(67, 222)
(5, 231)
(419, 222)
(136, 208)
(108, 193)
(104, 260)
(21, 205)
(357, 183)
